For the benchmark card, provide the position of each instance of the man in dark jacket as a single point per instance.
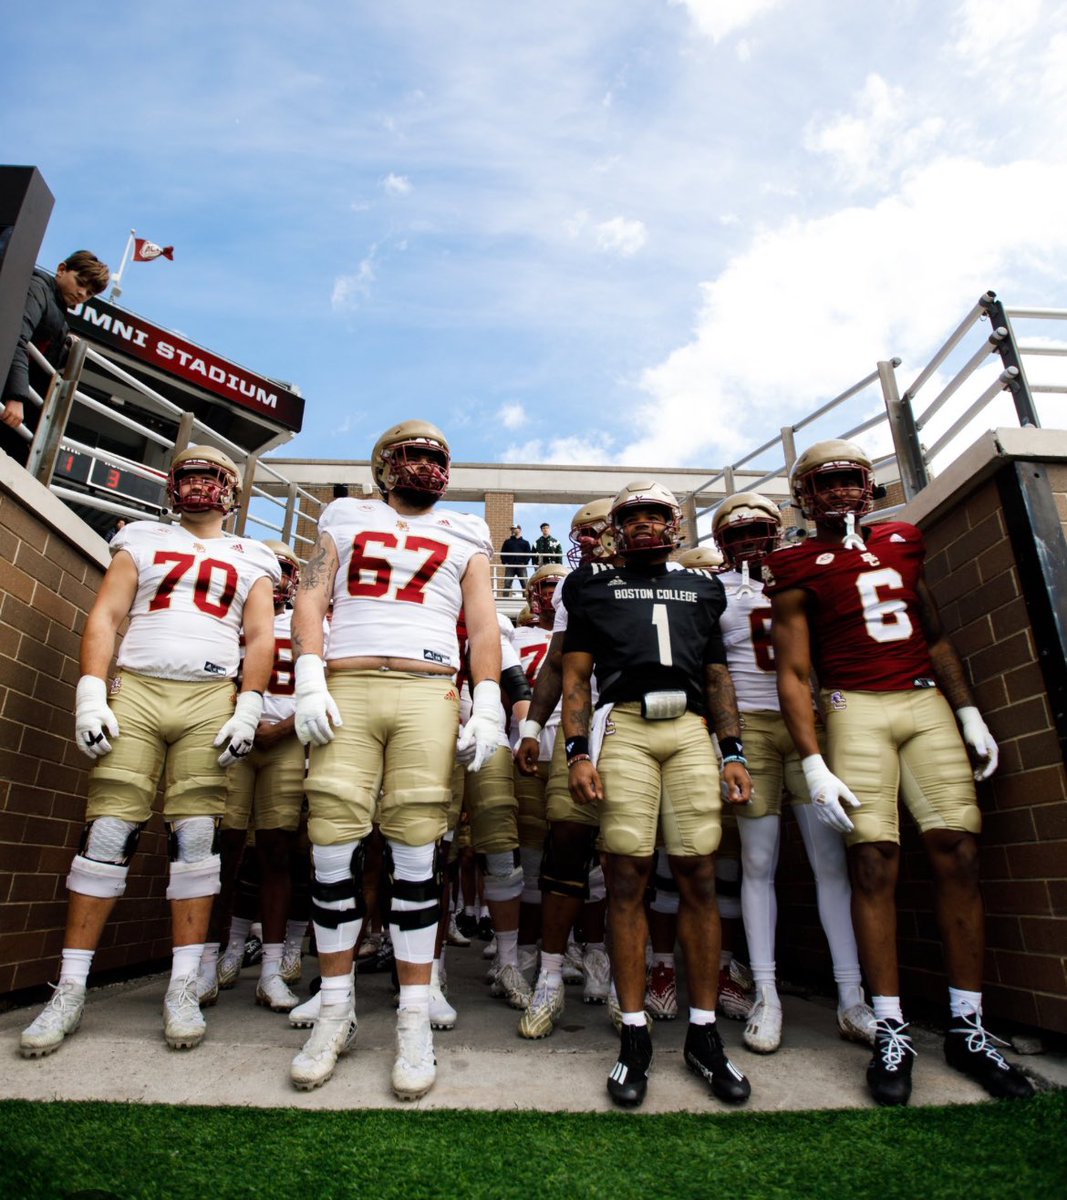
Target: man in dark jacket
(78, 278)
(515, 554)
(547, 548)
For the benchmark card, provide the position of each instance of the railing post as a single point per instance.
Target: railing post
(290, 513)
(789, 448)
(241, 520)
(55, 413)
(1008, 349)
(910, 462)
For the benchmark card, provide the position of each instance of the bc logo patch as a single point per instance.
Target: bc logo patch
(838, 702)
(116, 684)
(824, 560)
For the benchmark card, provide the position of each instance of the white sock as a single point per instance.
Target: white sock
(239, 928)
(337, 989)
(185, 960)
(849, 994)
(75, 965)
(415, 995)
(209, 962)
(964, 1004)
(507, 947)
(887, 1008)
(295, 932)
(637, 1018)
(701, 1016)
(271, 963)
(552, 969)
(663, 960)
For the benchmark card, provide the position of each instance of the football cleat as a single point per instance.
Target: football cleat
(490, 948)
(763, 1033)
(292, 963)
(253, 955)
(661, 994)
(442, 1014)
(734, 1001)
(333, 1035)
(370, 946)
(889, 1073)
(273, 993)
(415, 1068)
(628, 1081)
(973, 1050)
(484, 929)
(528, 963)
(856, 1024)
(305, 1015)
(705, 1055)
(229, 968)
(207, 990)
(510, 984)
(467, 924)
(572, 970)
(59, 1018)
(183, 1022)
(614, 1011)
(544, 1010)
(455, 936)
(381, 960)
(596, 969)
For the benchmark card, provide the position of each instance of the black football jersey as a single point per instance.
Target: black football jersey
(647, 628)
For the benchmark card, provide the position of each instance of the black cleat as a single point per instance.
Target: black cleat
(971, 1049)
(253, 951)
(381, 960)
(467, 924)
(705, 1055)
(628, 1080)
(889, 1074)
(484, 929)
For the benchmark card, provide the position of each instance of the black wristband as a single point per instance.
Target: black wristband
(577, 745)
(731, 747)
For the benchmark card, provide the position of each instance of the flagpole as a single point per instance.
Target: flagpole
(116, 279)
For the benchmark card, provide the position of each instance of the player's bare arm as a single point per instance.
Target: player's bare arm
(258, 620)
(582, 776)
(791, 635)
(483, 632)
(111, 607)
(726, 721)
(943, 654)
(313, 596)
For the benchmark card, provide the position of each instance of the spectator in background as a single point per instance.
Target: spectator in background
(547, 549)
(117, 528)
(78, 278)
(516, 553)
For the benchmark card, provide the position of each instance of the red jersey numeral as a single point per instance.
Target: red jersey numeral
(283, 678)
(760, 622)
(205, 578)
(380, 570)
(536, 654)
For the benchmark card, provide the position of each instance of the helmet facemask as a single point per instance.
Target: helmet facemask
(407, 469)
(285, 590)
(199, 485)
(640, 542)
(748, 541)
(822, 500)
(591, 543)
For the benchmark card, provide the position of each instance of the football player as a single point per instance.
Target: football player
(187, 589)
(397, 573)
(854, 606)
(652, 636)
(748, 527)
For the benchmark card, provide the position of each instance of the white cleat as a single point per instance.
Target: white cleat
(415, 1068)
(273, 993)
(183, 1022)
(573, 970)
(455, 936)
(292, 963)
(490, 948)
(333, 1035)
(305, 1015)
(763, 1033)
(543, 1012)
(528, 963)
(857, 1024)
(597, 976)
(511, 985)
(59, 1018)
(229, 968)
(442, 1014)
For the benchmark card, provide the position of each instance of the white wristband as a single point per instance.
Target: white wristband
(530, 729)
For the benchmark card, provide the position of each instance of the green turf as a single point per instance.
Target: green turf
(996, 1150)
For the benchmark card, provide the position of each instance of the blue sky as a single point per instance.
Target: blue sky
(647, 232)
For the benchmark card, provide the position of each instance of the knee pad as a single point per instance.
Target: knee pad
(598, 889)
(337, 906)
(566, 862)
(664, 888)
(110, 840)
(503, 875)
(415, 884)
(192, 845)
(728, 887)
(531, 873)
(104, 880)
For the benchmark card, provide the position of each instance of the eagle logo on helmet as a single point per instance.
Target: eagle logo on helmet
(809, 485)
(702, 558)
(413, 457)
(540, 587)
(591, 534)
(642, 538)
(285, 589)
(748, 526)
(203, 479)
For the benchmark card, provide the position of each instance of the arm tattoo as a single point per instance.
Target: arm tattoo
(722, 701)
(315, 569)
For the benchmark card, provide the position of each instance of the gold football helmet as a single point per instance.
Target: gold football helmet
(202, 479)
(399, 459)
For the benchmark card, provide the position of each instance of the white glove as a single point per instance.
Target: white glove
(827, 792)
(239, 732)
(315, 707)
(94, 722)
(482, 731)
(978, 738)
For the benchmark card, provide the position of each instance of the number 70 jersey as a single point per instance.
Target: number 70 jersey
(398, 590)
(864, 606)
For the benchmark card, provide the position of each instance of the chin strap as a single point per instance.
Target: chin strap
(852, 540)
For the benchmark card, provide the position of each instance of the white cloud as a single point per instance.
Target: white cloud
(571, 451)
(348, 290)
(717, 19)
(621, 236)
(512, 416)
(990, 29)
(397, 185)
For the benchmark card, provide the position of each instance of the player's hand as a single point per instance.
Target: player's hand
(979, 742)
(583, 779)
(316, 711)
(528, 752)
(94, 722)
(736, 783)
(239, 732)
(482, 731)
(827, 793)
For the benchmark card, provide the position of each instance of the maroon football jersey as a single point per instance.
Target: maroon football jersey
(866, 633)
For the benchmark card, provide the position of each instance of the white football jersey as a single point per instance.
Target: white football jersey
(186, 618)
(531, 642)
(397, 592)
(746, 634)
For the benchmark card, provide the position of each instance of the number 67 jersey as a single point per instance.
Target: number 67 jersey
(397, 592)
(186, 617)
(865, 611)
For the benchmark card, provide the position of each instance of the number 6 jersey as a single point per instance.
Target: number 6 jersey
(397, 593)
(186, 617)
(866, 627)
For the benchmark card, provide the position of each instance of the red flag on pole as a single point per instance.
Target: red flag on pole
(146, 251)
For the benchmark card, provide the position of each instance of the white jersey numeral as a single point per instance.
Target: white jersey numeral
(663, 633)
(887, 619)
